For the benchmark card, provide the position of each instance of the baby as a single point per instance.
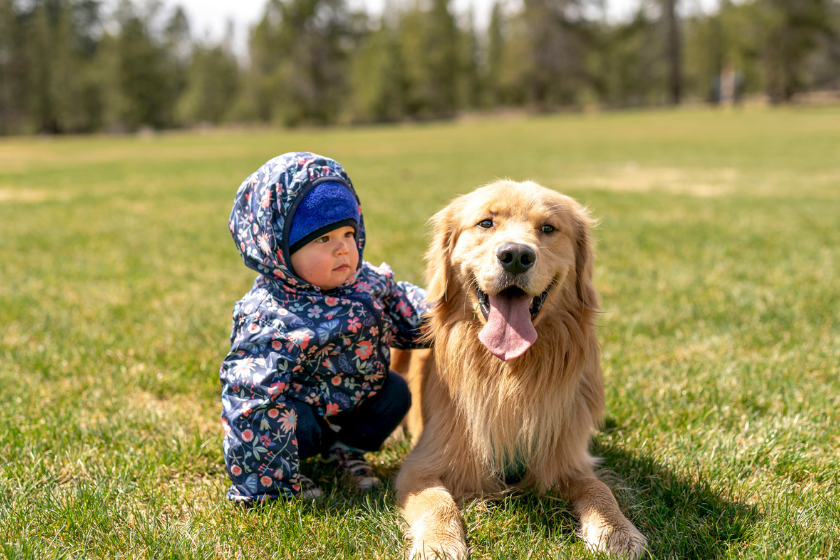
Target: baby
(308, 370)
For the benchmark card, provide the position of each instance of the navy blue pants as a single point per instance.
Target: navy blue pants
(364, 428)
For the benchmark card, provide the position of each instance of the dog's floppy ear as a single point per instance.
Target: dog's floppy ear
(585, 291)
(439, 255)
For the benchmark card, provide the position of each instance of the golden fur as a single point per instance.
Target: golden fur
(475, 417)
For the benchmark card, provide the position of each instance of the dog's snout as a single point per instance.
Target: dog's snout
(515, 257)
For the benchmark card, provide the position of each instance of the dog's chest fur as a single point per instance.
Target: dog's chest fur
(513, 418)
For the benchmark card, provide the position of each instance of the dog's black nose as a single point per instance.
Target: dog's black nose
(515, 257)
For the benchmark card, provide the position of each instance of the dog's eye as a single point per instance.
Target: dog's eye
(485, 224)
(547, 228)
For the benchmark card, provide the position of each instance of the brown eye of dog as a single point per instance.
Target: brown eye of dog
(485, 224)
(547, 228)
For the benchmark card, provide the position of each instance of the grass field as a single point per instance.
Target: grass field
(719, 270)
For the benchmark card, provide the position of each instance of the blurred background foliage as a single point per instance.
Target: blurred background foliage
(73, 66)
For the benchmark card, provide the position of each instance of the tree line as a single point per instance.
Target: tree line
(67, 66)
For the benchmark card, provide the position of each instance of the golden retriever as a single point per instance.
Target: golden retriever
(513, 388)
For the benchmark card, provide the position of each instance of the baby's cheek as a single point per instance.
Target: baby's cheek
(316, 270)
(354, 257)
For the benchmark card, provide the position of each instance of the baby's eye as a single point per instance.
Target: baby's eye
(349, 235)
(323, 239)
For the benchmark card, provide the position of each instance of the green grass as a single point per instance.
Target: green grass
(718, 265)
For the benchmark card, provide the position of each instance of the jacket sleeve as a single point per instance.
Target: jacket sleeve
(260, 444)
(406, 305)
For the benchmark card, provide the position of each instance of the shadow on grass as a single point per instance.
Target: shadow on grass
(683, 516)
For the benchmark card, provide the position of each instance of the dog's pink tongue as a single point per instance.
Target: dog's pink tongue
(509, 331)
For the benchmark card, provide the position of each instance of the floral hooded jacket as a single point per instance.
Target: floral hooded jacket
(292, 341)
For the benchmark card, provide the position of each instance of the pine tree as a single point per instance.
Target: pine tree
(212, 84)
(441, 46)
(674, 50)
(495, 50)
(378, 78)
(556, 69)
(791, 31)
(139, 75)
(471, 79)
(300, 56)
(14, 65)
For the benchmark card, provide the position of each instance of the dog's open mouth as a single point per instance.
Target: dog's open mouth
(512, 292)
(509, 330)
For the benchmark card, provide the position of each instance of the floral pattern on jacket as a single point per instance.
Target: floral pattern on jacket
(292, 341)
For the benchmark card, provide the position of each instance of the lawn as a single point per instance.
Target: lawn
(718, 265)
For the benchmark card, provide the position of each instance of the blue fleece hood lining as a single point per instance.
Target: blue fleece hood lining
(287, 226)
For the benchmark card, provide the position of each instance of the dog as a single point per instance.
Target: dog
(512, 390)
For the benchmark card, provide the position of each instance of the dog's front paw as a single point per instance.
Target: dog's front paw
(625, 541)
(445, 543)
(427, 550)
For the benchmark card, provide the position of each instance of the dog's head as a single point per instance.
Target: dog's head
(514, 253)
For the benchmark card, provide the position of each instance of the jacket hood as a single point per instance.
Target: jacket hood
(265, 204)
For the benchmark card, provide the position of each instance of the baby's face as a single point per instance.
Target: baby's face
(327, 262)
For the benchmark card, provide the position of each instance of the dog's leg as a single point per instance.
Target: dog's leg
(602, 525)
(414, 366)
(435, 525)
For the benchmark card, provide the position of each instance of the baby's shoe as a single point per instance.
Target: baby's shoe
(308, 490)
(352, 465)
